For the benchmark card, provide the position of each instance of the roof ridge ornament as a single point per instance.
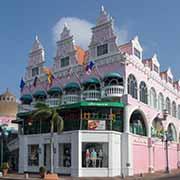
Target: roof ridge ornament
(104, 16)
(37, 44)
(65, 32)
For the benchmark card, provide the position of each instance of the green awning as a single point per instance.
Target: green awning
(92, 80)
(26, 97)
(72, 85)
(93, 104)
(112, 74)
(39, 93)
(55, 90)
(24, 114)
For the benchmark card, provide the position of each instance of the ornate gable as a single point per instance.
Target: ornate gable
(36, 60)
(136, 48)
(65, 49)
(155, 60)
(103, 33)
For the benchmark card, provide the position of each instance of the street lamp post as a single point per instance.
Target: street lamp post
(166, 138)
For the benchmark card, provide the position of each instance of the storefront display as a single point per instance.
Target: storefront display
(94, 155)
(33, 155)
(65, 155)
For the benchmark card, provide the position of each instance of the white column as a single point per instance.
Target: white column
(126, 119)
(127, 154)
(23, 154)
(76, 151)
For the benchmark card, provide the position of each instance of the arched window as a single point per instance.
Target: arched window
(153, 98)
(178, 111)
(132, 86)
(168, 105)
(160, 102)
(172, 131)
(174, 109)
(137, 123)
(143, 92)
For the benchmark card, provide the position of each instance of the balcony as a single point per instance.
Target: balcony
(113, 91)
(25, 108)
(53, 102)
(70, 99)
(91, 95)
(33, 104)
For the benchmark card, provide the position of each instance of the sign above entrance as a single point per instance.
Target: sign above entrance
(96, 125)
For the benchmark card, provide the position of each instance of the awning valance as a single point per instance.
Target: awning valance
(72, 85)
(55, 90)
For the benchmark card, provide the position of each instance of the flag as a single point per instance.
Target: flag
(22, 84)
(49, 74)
(90, 66)
(35, 81)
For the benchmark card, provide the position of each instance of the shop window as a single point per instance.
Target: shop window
(33, 155)
(65, 61)
(102, 49)
(94, 155)
(35, 71)
(65, 155)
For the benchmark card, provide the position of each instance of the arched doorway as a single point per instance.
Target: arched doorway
(137, 123)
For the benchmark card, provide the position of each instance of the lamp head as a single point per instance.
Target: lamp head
(165, 114)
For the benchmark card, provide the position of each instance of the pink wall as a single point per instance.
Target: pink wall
(140, 158)
(159, 159)
(173, 156)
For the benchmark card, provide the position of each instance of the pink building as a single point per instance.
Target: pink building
(143, 105)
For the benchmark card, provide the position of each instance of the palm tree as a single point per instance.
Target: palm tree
(44, 112)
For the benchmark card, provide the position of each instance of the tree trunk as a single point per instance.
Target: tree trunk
(52, 149)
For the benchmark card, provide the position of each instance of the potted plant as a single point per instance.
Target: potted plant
(42, 171)
(5, 167)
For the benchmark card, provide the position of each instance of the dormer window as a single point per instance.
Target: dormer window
(137, 53)
(102, 49)
(65, 61)
(35, 71)
(156, 68)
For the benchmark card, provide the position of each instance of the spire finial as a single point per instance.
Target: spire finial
(65, 25)
(102, 8)
(36, 37)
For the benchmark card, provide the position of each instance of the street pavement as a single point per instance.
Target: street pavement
(174, 175)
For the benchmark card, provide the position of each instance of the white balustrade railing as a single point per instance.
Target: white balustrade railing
(113, 91)
(70, 98)
(53, 102)
(91, 95)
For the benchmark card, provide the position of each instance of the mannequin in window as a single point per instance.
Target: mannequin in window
(87, 157)
(100, 154)
(93, 157)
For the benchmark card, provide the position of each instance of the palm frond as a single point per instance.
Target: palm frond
(43, 114)
(40, 105)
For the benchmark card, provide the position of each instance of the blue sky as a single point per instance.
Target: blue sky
(156, 22)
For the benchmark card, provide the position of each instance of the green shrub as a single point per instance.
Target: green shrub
(42, 169)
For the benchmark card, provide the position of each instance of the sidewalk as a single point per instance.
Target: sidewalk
(152, 176)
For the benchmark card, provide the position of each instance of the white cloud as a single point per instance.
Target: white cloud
(122, 34)
(81, 30)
